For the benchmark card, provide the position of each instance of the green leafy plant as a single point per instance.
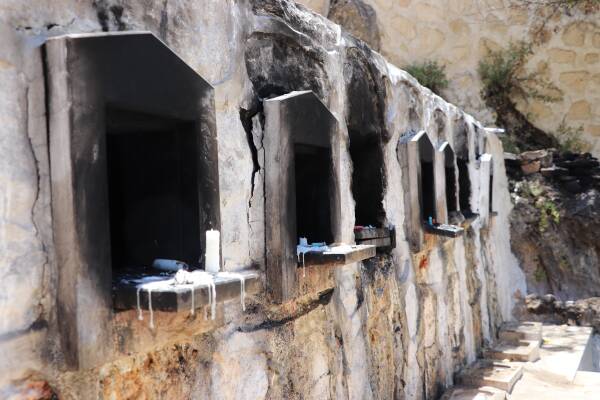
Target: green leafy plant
(509, 144)
(548, 212)
(569, 138)
(539, 274)
(504, 77)
(430, 74)
(531, 189)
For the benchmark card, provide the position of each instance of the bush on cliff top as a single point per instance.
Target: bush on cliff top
(430, 74)
(503, 76)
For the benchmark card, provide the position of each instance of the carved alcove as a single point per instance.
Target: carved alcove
(461, 148)
(417, 158)
(301, 194)
(485, 187)
(134, 177)
(368, 186)
(450, 176)
(412, 148)
(426, 185)
(367, 138)
(489, 133)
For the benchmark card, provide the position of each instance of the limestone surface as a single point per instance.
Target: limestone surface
(459, 33)
(397, 326)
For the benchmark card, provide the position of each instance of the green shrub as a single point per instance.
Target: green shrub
(569, 138)
(503, 77)
(548, 211)
(509, 144)
(539, 274)
(430, 74)
(533, 190)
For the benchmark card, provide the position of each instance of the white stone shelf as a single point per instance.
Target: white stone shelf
(378, 237)
(179, 298)
(335, 258)
(446, 230)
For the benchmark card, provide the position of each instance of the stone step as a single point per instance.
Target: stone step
(497, 374)
(523, 350)
(467, 393)
(516, 331)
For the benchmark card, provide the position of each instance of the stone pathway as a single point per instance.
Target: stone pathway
(522, 366)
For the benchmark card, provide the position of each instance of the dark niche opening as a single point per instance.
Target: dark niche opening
(367, 179)
(491, 195)
(427, 189)
(450, 172)
(451, 189)
(313, 182)
(152, 166)
(464, 187)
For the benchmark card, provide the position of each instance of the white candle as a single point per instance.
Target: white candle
(212, 251)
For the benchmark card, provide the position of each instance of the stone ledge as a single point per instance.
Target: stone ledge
(180, 297)
(378, 237)
(451, 231)
(335, 258)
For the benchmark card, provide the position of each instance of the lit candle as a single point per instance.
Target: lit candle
(212, 251)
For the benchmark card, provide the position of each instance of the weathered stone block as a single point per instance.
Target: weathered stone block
(594, 130)
(561, 56)
(539, 110)
(591, 58)
(431, 39)
(428, 12)
(459, 27)
(404, 26)
(359, 18)
(575, 80)
(596, 40)
(580, 110)
(574, 35)
(518, 15)
(487, 45)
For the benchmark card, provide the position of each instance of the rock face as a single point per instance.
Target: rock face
(397, 326)
(585, 312)
(358, 18)
(553, 222)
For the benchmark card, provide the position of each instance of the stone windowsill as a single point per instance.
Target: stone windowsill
(179, 298)
(336, 258)
(445, 230)
(378, 237)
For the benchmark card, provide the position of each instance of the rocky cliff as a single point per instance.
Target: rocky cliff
(553, 223)
(398, 326)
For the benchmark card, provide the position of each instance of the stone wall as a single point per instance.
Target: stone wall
(458, 33)
(397, 326)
